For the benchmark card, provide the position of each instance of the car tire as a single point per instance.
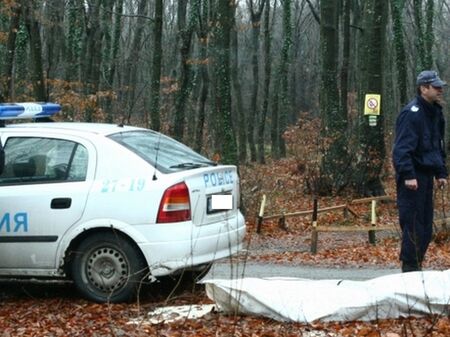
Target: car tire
(107, 268)
(199, 272)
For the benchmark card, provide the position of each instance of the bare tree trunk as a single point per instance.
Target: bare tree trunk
(284, 75)
(7, 88)
(345, 57)
(274, 130)
(37, 73)
(400, 54)
(54, 36)
(93, 36)
(112, 64)
(225, 133)
(73, 43)
(372, 137)
(202, 33)
(185, 34)
(420, 43)
(429, 34)
(266, 88)
(133, 59)
(255, 16)
(333, 121)
(156, 66)
(241, 124)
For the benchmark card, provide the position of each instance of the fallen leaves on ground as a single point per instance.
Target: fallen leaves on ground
(57, 310)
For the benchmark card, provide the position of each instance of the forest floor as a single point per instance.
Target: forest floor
(57, 310)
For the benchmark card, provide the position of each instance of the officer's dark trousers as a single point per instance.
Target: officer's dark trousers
(416, 218)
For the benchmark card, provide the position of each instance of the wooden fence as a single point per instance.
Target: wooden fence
(337, 227)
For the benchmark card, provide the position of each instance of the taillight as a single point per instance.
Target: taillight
(175, 205)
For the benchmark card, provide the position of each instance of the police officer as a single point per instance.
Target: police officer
(419, 158)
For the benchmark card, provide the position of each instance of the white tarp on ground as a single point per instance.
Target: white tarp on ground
(303, 300)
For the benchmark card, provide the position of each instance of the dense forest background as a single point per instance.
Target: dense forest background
(233, 79)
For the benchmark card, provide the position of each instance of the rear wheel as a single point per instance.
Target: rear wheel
(108, 268)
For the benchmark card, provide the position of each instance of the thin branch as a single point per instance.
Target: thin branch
(313, 11)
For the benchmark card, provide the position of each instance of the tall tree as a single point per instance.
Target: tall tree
(226, 141)
(7, 87)
(399, 46)
(372, 144)
(185, 31)
(429, 34)
(111, 59)
(335, 163)
(156, 66)
(345, 56)
(37, 69)
(91, 66)
(132, 62)
(280, 102)
(266, 86)
(424, 31)
(237, 92)
(54, 36)
(284, 75)
(256, 8)
(75, 29)
(202, 35)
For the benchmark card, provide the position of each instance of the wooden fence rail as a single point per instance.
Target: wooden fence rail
(346, 208)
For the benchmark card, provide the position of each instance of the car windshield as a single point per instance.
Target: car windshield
(164, 153)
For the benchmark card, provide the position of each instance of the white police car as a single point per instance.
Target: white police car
(109, 205)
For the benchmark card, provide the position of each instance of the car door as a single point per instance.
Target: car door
(43, 192)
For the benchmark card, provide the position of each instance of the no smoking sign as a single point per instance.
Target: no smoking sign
(372, 104)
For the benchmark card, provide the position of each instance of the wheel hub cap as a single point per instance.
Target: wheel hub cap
(107, 269)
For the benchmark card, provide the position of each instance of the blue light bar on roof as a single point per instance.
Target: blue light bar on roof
(28, 110)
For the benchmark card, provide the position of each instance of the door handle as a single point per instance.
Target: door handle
(61, 203)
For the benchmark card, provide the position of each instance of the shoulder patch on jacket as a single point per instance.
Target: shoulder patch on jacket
(414, 108)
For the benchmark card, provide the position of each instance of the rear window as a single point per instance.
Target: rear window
(164, 153)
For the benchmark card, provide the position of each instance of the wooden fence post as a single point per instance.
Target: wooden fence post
(373, 217)
(261, 214)
(314, 234)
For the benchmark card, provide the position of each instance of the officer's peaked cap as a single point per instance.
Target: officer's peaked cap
(430, 77)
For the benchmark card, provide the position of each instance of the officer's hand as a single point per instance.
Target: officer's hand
(441, 182)
(411, 184)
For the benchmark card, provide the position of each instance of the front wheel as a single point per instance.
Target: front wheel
(107, 268)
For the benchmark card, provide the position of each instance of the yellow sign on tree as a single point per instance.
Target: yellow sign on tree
(372, 104)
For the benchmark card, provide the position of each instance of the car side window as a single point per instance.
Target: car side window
(43, 160)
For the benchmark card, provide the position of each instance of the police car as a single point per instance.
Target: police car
(109, 206)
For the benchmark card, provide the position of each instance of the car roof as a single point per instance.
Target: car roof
(92, 128)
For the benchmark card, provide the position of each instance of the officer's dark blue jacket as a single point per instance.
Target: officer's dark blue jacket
(419, 140)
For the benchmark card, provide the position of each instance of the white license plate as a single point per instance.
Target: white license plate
(219, 203)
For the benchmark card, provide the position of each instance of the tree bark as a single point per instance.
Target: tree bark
(399, 46)
(7, 88)
(131, 71)
(202, 33)
(241, 124)
(185, 34)
(75, 28)
(373, 149)
(37, 72)
(156, 66)
(255, 17)
(420, 43)
(266, 87)
(225, 135)
(334, 122)
(284, 75)
(112, 64)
